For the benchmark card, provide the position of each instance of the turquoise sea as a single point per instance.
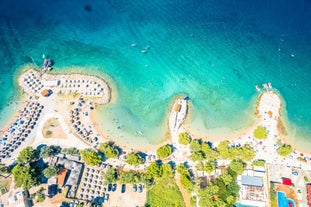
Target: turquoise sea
(213, 51)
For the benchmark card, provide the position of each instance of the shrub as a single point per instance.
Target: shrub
(164, 151)
(90, 157)
(134, 159)
(260, 132)
(285, 150)
(108, 150)
(50, 171)
(184, 138)
(259, 163)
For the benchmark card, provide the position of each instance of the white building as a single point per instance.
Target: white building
(50, 83)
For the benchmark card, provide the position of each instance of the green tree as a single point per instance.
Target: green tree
(260, 132)
(226, 178)
(127, 177)
(46, 151)
(197, 156)
(184, 138)
(237, 167)
(182, 169)
(231, 200)
(25, 176)
(134, 159)
(40, 196)
(259, 163)
(223, 149)
(285, 150)
(210, 153)
(28, 154)
(154, 170)
(110, 176)
(209, 167)
(167, 171)
(70, 151)
(90, 157)
(50, 171)
(108, 150)
(185, 177)
(164, 151)
(195, 145)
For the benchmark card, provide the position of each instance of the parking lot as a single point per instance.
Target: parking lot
(128, 198)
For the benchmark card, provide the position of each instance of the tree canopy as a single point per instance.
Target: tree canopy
(237, 167)
(130, 177)
(260, 132)
(50, 171)
(48, 151)
(110, 176)
(108, 150)
(134, 159)
(25, 176)
(184, 138)
(164, 151)
(28, 154)
(154, 171)
(285, 150)
(195, 145)
(206, 167)
(90, 157)
(245, 152)
(185, 178)
(259, 163)
(165, 192)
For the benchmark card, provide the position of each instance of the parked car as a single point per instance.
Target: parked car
(109, 187)
(140, 188)
(134, 187)
(106, 198)
(114, 187)
(123, 188)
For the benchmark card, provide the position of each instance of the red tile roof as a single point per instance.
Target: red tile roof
(309, 194)
(287, 181)
(61, 176)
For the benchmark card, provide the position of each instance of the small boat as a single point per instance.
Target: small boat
(143, 51)
(269, 85)
(292, 55)
(133, 45)
(139, 132)
(265, 86)
(258, 88)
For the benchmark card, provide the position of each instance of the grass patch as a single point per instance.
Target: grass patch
(164, 192)
(4, 185)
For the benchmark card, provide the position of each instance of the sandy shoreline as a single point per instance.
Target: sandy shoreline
(246, 132)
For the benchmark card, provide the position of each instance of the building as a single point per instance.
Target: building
(287, 181)
(61, 176)
(251, 181)
(69, 175)
(50, 83)
(20, 199)
(252, 188)
(309, 194)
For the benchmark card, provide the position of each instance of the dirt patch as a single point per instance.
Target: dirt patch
(4, 185)
(290, 193)
(52, 129)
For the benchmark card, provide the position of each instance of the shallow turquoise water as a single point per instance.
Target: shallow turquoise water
(213, 51)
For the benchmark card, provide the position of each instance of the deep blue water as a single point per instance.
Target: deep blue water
(213, 51)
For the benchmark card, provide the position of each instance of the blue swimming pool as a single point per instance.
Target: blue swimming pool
(283, 201)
